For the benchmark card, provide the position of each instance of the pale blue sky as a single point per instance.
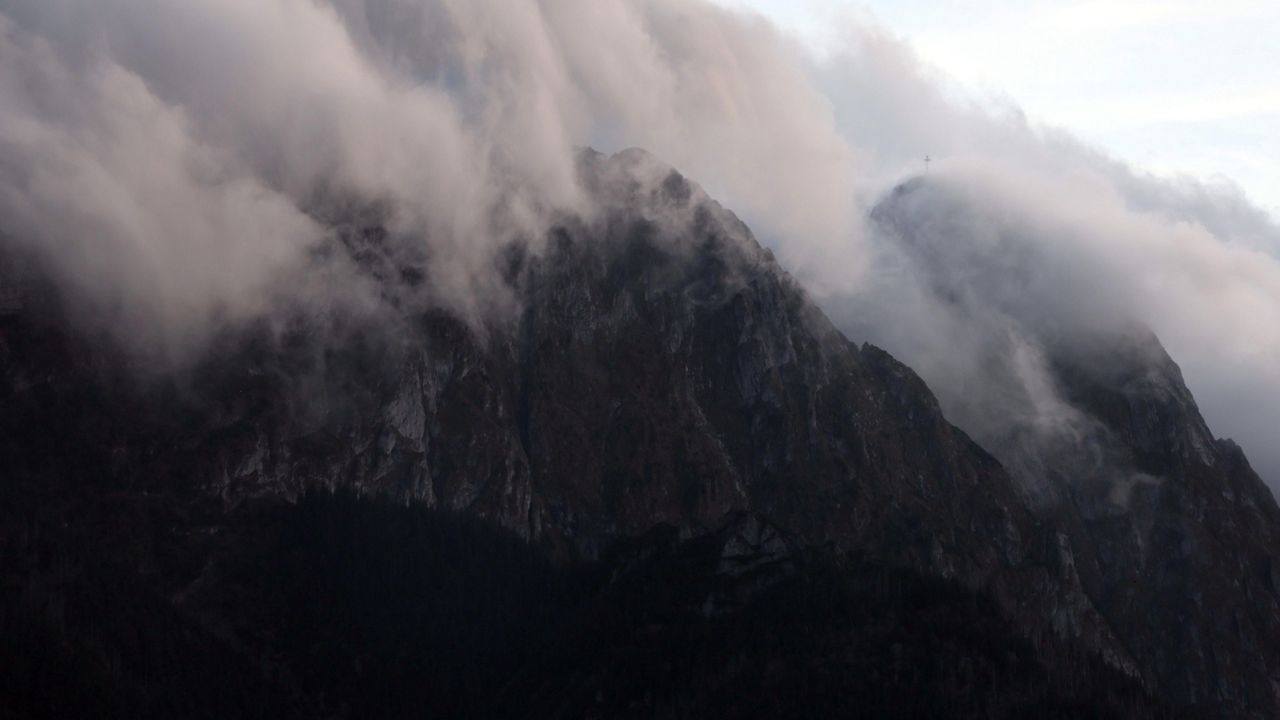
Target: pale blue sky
(1170, 86)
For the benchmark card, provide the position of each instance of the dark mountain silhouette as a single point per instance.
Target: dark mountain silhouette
(661, 484)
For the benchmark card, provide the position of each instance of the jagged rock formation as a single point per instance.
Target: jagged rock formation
(1173, 535)
(1178, 535)
(658, 368)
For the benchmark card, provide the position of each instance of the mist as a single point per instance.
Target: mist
(175, 166)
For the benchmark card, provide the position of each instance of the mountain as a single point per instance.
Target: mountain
(1174, 536)
(657, 442)
(1178, 533)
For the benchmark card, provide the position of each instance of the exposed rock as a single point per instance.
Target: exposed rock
(1170, 532)
(662, 370)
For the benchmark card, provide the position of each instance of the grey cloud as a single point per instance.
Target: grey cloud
(460, 119)
(177, 164)
(1034, 236)
(152, 230)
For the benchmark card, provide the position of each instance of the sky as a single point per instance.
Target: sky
(1173, 87)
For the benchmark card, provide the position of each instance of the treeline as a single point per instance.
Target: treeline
(812, 635)
(339, 606)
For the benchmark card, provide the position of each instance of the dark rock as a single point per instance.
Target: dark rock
(661, 378)
(1168, 529)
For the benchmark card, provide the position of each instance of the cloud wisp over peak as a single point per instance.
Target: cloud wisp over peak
(175, 165)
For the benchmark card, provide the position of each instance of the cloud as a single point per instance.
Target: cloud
(178, 165)
(460, 120)
(1045, 236)
(147, 227)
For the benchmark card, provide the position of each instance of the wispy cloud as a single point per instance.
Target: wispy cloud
(174, 164)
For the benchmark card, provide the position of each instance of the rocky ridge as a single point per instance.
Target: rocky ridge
(662, 370)
(1172, 533)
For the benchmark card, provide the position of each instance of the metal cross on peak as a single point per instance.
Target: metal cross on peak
(927, 160)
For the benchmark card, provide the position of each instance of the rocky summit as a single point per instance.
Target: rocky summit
(1172, 533)
(654, 480)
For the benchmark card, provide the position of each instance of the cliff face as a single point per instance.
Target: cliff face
(1174, 536)
(655, 366)
(1179, 534)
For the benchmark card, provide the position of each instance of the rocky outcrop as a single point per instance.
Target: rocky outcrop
(1171, 533)
(1178, 533)
(657, 367)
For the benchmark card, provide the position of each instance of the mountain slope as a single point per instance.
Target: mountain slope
(1184, 535)
(1175, 537)
(655, 367)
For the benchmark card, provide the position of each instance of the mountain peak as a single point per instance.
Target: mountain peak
(660, 370)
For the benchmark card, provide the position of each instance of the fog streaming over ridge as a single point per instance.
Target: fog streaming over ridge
(460, 119)
(176, 164)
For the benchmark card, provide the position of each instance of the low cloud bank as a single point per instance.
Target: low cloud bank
(176, 165)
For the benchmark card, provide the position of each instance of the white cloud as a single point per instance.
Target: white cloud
(170, 159)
